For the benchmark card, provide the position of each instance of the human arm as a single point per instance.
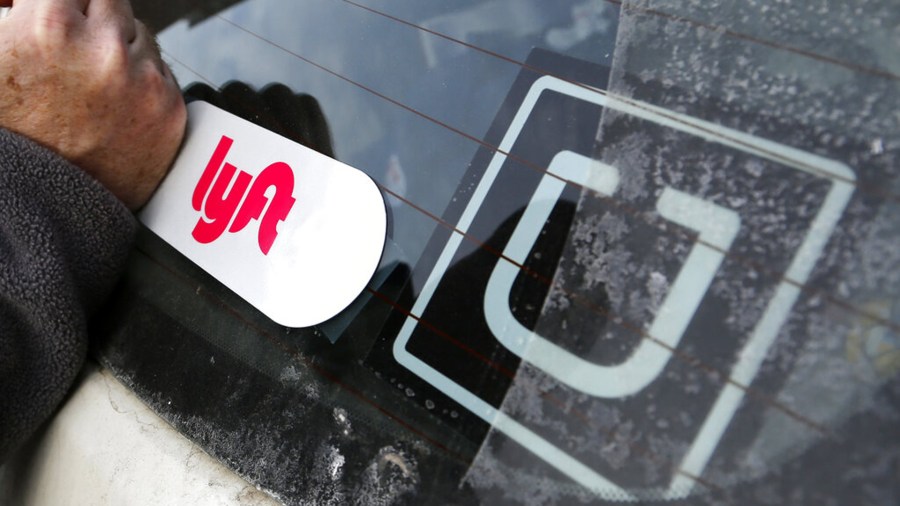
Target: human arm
(100, 119)
(63, 241)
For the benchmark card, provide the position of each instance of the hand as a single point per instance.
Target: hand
(85, 79)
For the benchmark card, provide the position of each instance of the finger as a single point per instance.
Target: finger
(118, 13)
(145, 47)
(64, 13)
(120, 8)
(79, 5)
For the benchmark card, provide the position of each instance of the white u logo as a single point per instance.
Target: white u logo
(717, 227)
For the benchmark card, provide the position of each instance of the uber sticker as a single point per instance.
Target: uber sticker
(665, 221)
(293, 232)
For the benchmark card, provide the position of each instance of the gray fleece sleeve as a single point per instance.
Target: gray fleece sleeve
(63, 242)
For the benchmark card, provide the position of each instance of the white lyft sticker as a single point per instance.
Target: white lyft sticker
(295, 233)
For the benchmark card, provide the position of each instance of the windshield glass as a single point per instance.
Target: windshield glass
(637, 252)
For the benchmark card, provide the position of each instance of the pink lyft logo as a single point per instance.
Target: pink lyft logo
(218, 209)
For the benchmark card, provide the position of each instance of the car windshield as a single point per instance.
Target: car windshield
(637, 252)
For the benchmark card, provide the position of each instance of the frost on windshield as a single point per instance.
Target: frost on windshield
(792, 354)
